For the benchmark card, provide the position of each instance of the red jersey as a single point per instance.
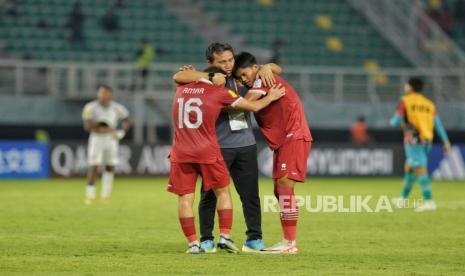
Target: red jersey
(283, 119)
(196, 108)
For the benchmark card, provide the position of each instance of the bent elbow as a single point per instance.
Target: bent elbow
(175, 78)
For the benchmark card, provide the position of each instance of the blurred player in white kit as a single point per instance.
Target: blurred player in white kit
(101, 118)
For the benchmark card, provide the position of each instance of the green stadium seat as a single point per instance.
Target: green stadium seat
(292, 21)
(138, 19)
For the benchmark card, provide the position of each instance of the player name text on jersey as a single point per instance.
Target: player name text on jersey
(193, 91)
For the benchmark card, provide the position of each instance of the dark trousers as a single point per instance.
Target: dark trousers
(243, 167)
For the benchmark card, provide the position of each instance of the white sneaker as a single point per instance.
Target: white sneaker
(399, 202)
(195, 249)
(427, 206)
(227, 244)
(283, 247)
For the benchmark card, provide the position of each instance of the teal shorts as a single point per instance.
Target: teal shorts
(417, 155)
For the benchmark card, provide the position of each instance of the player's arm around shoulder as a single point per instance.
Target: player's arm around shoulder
(267, 72)
(274, 94)
(252, 96)
(188, 74)
(257, 91)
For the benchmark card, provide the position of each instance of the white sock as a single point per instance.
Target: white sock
(196, 242)
(290, 242)
(224, 235)
(90, 191)
(107, 184)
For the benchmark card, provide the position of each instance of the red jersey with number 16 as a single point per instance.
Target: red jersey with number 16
(283, 119)
(196, 108)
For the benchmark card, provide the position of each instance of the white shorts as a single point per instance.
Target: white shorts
(102, 150)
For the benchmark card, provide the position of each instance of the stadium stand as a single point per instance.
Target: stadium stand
(450, 16)
(321, 32)
(138, 19)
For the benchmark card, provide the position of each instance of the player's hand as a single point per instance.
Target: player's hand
(447, 148)
(277, 91)
(219, 79)
(266, 75)
(119, 134)
(187, 68)
(103, 129)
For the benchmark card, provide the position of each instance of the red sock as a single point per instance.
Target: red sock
(225, 219)
(289, 211)
(188, 227)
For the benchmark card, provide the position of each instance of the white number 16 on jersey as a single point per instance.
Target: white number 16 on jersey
(185, 109)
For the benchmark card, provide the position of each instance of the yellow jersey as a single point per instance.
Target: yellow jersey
(418, 112)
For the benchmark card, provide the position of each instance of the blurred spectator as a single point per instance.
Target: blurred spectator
(459, 13)
(119, 58)
(42, 136)
(434, 13)
(275, 51)
(42, 24)
(75, 24)
(439, 13)
(447, 21)
(144, 58)
(119, 4)
(359, 132)
(109, 21)
(10, 7)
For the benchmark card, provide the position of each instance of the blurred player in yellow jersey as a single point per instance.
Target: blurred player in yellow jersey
(418, 117)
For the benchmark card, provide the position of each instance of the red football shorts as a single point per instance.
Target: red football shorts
(291, 159)
(183, 176)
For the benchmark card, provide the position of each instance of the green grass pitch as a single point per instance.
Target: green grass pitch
(45, 229)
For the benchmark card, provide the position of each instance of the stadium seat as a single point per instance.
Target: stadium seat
(305, 26)
(138, 19)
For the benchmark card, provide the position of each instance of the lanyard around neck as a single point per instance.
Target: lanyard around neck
(236, 88)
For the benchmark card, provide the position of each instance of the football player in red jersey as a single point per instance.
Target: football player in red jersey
(195, 151)
(285, 127)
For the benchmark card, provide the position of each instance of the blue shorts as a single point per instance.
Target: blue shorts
(417, 155)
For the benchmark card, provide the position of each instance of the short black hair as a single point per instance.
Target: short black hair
(214, 70)
(216, 48)
(243, 60)
(416, 83)
(106, 87)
